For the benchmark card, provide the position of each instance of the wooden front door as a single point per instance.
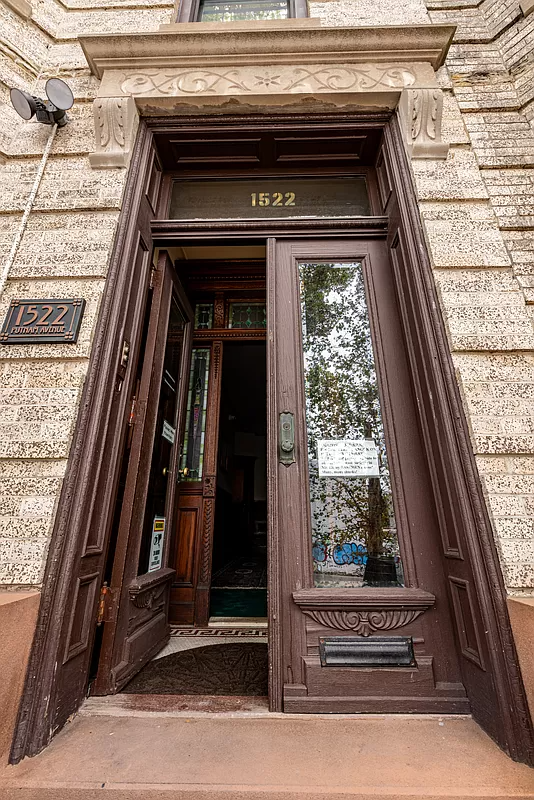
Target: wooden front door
(363, 620)
(137, 606)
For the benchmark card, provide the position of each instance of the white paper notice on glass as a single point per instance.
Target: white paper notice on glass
(156, 545)
(168, 431)
(347, 458)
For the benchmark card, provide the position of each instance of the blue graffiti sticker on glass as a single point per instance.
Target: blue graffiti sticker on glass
(350, 553)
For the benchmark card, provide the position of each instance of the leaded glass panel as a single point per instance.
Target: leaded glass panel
(203, 316)
(354, 537)
(195, 422)
(247, 316)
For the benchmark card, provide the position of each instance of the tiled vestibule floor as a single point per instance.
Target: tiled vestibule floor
(188, 638)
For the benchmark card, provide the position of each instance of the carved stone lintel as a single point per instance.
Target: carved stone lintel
(116, 122)
(420, 112)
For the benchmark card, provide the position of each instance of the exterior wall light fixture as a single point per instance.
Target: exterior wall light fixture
(51, 112)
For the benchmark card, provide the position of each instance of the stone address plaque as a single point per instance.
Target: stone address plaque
(42, 321)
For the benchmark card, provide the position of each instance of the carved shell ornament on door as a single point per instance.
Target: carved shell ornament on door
(364, 622)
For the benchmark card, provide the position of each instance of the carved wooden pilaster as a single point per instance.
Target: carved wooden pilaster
(116, 122)
(420, 113)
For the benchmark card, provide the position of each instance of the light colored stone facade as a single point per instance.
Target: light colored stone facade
(477, 208)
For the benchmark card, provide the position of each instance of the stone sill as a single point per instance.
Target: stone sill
(14, 597)
(243, 25)
(308, 44)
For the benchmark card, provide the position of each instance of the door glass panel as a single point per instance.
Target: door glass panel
(195, 421)
(154, 522)
(354, 536)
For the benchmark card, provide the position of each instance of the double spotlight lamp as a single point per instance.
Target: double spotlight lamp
(50, 112)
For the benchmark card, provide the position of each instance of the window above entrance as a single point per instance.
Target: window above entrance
(240, 10)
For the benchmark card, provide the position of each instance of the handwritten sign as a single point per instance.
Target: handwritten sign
(42, 321)
(156, 545)
(348, 458)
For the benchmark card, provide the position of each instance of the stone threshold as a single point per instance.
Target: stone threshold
(268, 757)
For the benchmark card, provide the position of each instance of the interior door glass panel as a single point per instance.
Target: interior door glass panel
(203, 316)
(195, 421)
(268, 198)
(163, 444)
(247, 316)
(354, 537)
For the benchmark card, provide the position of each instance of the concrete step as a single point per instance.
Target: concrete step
(117, 750)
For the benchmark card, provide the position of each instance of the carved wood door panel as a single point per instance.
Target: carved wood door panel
(352, 517)
(137, 624)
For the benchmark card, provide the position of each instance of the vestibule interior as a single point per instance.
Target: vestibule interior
(222, 477)
(239, 563)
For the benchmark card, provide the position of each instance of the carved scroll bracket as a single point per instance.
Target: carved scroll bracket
(421, 112)
(116, 122)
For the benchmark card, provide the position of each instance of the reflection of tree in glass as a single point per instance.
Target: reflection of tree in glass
(342, 402)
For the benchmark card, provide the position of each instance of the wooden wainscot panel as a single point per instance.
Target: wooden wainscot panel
(186, 528)
(393, 681)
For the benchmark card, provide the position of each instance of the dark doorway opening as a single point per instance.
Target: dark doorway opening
(230, 657)
(239, 573)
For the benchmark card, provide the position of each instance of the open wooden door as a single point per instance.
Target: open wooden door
(366, 624)
(136, 608)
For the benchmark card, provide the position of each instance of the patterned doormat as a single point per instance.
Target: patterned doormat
(224, 669)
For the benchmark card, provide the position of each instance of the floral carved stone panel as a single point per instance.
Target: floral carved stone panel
(268, 80)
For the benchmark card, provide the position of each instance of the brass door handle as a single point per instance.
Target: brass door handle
(184, 472)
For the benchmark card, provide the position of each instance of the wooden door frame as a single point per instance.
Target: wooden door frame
(34, 729)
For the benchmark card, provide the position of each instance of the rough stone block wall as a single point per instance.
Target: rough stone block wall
(485, 274)
(477, 209)
(64, 253)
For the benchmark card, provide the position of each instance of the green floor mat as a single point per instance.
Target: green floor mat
(238, 603)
